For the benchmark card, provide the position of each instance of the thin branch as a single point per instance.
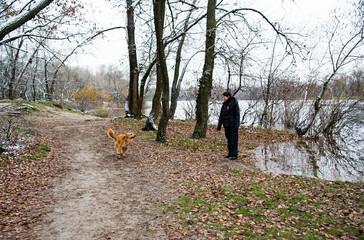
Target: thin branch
(21, 19)
(84, 42)
(235, 11)
(186, 30)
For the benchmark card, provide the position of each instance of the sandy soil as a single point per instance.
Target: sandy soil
(101, 196)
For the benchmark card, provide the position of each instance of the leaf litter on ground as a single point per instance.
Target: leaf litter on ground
(215, 198)
(222, 199)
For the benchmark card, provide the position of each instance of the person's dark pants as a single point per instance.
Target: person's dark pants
(232, 136)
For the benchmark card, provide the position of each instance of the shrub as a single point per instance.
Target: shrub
(88, 97)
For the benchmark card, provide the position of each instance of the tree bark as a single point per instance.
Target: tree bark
(47, 86)
(133, 62)
(142, 86)
(204, 92)
(14, 63)
(159, 11)
(303, 127)
(176, 79)
(175, 89)
(156, 104)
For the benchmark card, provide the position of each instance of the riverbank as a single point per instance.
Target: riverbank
(184, 189)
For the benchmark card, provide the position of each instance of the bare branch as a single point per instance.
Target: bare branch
(21, 19)
(274, 27)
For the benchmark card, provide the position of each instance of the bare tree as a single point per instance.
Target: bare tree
(14, 53)
(206, 79)
(133, 62)
(41, 59)
(202, 110)
(156, 103)
(136, 86)
(173, 33)
(177, 77)
(344, 56)
(22, 17)
(159, 14)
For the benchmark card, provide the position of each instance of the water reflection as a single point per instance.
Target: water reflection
(338, 157)
(327, 158)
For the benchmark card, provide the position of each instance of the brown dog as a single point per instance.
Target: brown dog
(122, 141)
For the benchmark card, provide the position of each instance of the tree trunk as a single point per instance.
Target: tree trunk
(176, 79)
(11, 93)
(264, 118)
(142, 86)
(46, 80)
(175, 90)
(12, 80)
(156, 104)
(133, 62)
(159, 11)
(303, 127)
(34, 88)
(204, 92)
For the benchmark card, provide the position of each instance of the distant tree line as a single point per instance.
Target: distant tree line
(166, 42)
(343, 86)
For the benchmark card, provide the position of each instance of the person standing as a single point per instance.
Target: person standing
(230, 119)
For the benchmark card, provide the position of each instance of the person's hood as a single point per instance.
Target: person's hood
(231, 101)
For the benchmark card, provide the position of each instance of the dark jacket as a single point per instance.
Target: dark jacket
(229, 118)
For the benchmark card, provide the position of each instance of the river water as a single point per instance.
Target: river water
(335, 158)
(314, 158)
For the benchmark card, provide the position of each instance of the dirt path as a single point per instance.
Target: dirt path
(100, 196)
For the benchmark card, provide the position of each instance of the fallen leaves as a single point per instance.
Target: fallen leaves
(24, 177)
(217, 200)
(212, 197)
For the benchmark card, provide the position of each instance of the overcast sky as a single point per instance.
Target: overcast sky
(112, 49)
(109, 49)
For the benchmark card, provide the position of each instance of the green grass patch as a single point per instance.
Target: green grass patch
(185, 143)
(184, 201)
(333, 231)
(301, 197)
(44, 146)
(247, 204)
(244, 211)
(270, 203)
(280, 194)
(226, 188)
(231, 234)
(236, 172)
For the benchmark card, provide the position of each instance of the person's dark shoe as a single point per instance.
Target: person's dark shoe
(233, 158)
(227, 156)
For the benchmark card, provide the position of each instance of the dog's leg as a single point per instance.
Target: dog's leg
(124, 149)
(119, 153)
(121, 150)
(116, 148)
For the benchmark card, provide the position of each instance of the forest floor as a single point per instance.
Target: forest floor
(70, 184)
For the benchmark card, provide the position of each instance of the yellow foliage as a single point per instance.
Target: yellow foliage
(89, 93)
(105, 96)
(89, 97)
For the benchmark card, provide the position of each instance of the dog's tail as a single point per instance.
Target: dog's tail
(111, 133)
